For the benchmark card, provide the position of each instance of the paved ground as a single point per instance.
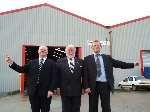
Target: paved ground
(121, 101)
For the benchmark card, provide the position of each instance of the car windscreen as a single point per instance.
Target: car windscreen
(140, 77)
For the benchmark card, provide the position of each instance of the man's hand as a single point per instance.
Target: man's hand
(88, 90)
(50, 93)
(9, 60)
(58, 91)
(136, 64)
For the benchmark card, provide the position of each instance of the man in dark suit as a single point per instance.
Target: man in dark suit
(41, 77)
(70, 74)
(98, 76)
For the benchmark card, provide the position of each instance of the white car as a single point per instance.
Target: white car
(134, 82)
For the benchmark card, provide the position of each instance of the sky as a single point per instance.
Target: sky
(106, 12)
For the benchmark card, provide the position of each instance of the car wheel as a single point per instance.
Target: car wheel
(120, 86)
(133, 87)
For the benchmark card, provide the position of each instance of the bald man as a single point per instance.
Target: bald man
(41, 79)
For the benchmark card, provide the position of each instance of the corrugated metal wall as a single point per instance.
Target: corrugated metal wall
(127, 41)
(42, 25)
(45, 25)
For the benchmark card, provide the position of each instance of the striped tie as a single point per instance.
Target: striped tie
(38, 75)
(41, 64)
(71, 67)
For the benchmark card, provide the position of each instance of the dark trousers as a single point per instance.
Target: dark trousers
(39, 102)
(102, 89)
(71, 103)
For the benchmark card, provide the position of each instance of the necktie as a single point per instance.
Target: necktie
(41, 64)
(98, 65)
(71, 67)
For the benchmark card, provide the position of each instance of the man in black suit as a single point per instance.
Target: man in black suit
(70, 74)
(41, 77)
(98, 76)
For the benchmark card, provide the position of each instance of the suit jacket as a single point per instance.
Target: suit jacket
(90, 71)
(47, 76)
(70, 83)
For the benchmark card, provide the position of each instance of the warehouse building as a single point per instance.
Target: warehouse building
(23, 30)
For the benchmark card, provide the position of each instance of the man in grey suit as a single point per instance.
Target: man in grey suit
(41, 77)
(70, 80)
(98, 76)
